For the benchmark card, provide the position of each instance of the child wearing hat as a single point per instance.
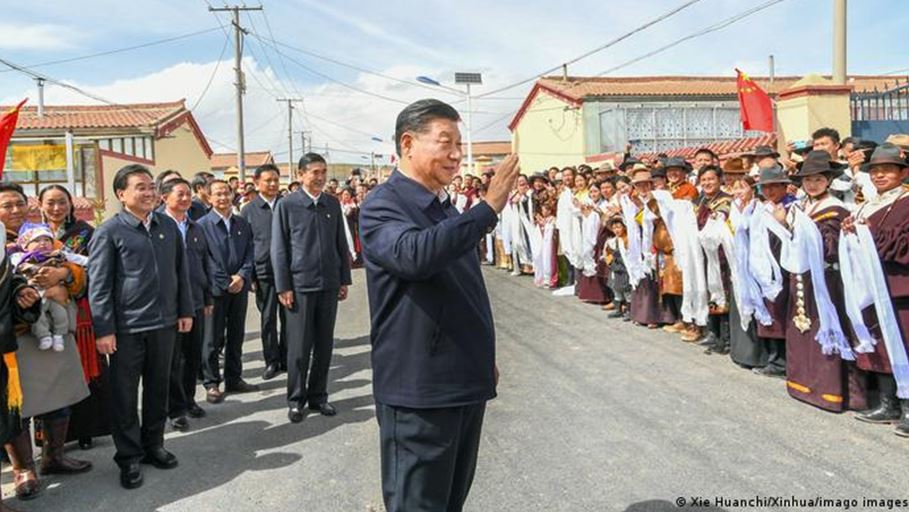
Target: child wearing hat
(36, 250)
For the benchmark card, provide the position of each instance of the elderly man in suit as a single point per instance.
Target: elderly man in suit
(433, 339)
(311, 263)
(230, 261)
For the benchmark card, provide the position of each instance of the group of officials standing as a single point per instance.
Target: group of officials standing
(169, 278)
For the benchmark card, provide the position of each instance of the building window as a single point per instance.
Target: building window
(85, 165)
(104, 144)
(117, 145)
(149, 148)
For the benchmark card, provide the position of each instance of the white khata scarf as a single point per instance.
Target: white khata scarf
(633, 258)
(863, 284)
(711, 238)
(808, 245)
(681, 222)
(764, 267)
(748, 292)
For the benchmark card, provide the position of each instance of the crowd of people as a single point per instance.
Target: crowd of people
(159, 293)
(793, 265)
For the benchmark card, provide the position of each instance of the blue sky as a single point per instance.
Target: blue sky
(505, 40)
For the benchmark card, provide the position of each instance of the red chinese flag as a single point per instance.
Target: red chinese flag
(755, 105)
(7, 127)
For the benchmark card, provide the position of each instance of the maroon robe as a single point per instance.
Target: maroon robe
(779, 307)
(594, 289)
(811, 376)
(890, 228)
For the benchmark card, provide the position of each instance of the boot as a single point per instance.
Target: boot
(889, 409)
(616, 310)
(19, 450)
(53, 458)
(692, 334)
(902, 429)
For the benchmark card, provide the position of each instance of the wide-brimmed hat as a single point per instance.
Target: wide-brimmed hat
(818, 162)
(899, 139)
(774, 174)
(606, 166)
(887, 153)
(640, 173)
(538, 176)
(678, 163)
(631, 162)
(658, 172)
(765, 152)
(734, 166)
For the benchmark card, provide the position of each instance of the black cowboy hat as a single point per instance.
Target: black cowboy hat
(774, 174)
(658, 172)
(677, 162)
(538, 176)
(764, 152)
(628, 163)
(886, 153)
(818, 162)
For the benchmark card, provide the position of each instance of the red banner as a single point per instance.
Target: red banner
(7, 127)
(755, 105)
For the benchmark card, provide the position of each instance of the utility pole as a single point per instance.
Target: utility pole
(839, 42)
(240, 83)
(290, 131)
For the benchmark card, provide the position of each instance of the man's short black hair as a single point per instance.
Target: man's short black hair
(233, 179)
(217, 180)
(310, 158)
(201, 180)
(826, 132)
(262, 169)
(168, 186)
(159, 179)
(418, 114)
(121, 179)
(9, 186)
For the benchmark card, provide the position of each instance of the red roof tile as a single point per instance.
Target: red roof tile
(253, 159)
(723, 149)
(58, 117)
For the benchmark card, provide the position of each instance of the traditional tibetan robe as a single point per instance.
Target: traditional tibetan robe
(812, 376)
(778, 307)
(568, 223)
(646, 306)
(683, 190)
(591, 286)
(545, 273)
(668, 273)
(717, 208)
(745, 348)
(520, 224)
(887, 217)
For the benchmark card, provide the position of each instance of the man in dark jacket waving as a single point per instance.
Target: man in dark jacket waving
(433, 340)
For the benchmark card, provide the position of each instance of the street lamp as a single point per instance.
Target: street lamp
(466, 79)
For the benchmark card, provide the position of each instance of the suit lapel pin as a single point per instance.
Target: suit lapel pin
(161, 236)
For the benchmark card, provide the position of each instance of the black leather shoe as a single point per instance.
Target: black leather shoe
(325, 409)
(131, 476)
(295, 415)
(271, 371)
(180, 424)
(160, 458)
(241, 386)
(195, 411)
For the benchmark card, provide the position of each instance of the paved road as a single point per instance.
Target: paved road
(593, 414)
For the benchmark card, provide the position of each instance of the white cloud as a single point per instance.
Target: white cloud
(23, 36)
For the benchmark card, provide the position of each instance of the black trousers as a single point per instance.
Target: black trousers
(185, 366)
(227, 330)
(429, 456)
(274, 342)
(776, 353)
(310, 331)
(147, 356)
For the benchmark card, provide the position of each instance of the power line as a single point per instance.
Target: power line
(213, 73)
(118, 50)
(597, 49)
(712, 28)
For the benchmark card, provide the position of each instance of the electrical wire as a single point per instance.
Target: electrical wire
(213, 73)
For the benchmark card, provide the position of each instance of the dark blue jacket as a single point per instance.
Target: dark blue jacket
(228, 253)
(259, 215)
(308, 246)
(433, 340)
(197, 263)
(197, 209)
(138, 280)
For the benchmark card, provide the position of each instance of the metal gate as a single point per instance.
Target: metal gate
(877, 114)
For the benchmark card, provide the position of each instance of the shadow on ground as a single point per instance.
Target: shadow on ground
(220, 448)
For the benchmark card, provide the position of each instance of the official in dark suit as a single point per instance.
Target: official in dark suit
(312, 272)
(176, 197)
(258, 213)
(433, 340)
(230, 261)
(140, 299)
(201, 204)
